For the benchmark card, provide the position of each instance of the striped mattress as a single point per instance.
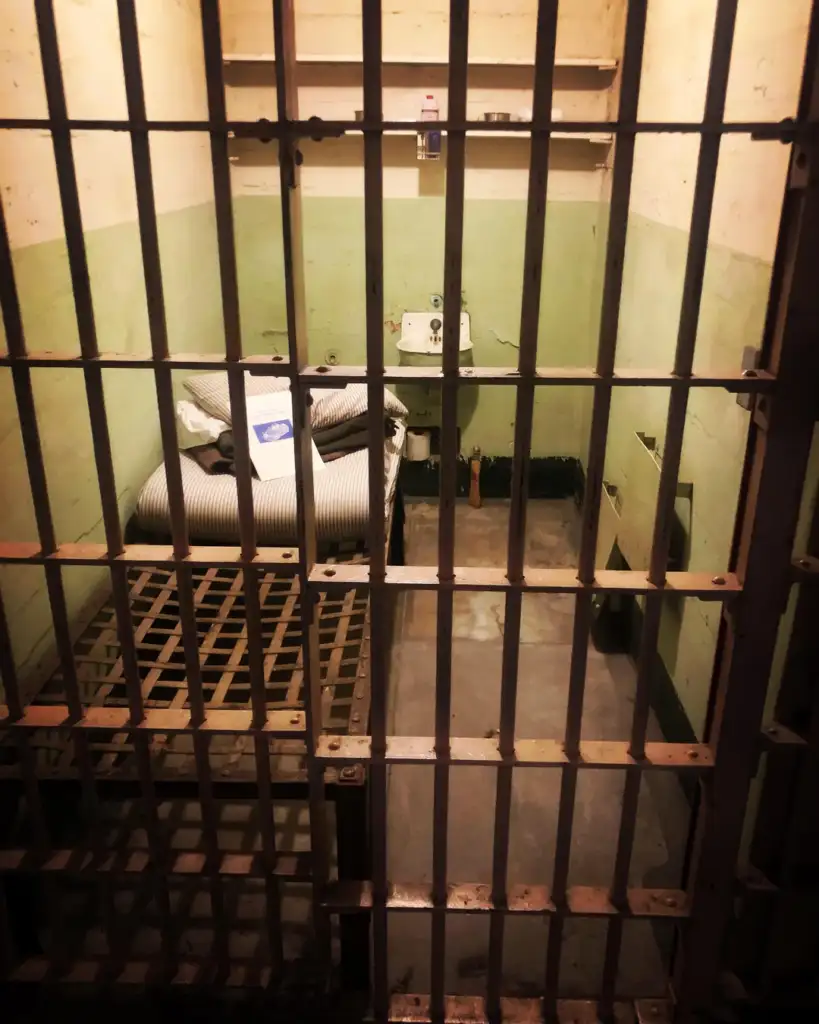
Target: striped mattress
(341, 493)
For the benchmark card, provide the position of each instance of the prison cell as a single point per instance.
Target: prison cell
(297, 704)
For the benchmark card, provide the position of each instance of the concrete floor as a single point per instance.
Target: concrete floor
(481, 537)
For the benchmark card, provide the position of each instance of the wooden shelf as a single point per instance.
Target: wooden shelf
(593, 63)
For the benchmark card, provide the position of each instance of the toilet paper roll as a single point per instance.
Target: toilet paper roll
(417, 445)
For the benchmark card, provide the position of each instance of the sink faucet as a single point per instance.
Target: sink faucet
(435, 324)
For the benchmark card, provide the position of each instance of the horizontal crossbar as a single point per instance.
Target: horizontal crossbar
(581, 900)
(560, 581)
(316, 128)
(528, 753)
(222, 557)
(226, 721)
(82, 861)
(412, 1009)
(331, 376)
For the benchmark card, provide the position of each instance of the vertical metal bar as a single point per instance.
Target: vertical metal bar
(32, 447)
(81, 284)
(217, 116)
(289, 176)
(379, 597)
(8, 670)
(212, 41)
(612, 283)
(154, 291)
(779, 450)
(527, 362)
(453, 265)
(675, 428)
(692, 284)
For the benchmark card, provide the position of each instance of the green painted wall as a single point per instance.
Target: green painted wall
(413, 270)
(190, 269)
(735, 295)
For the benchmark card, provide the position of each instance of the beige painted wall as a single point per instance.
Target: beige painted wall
(495, 169)
(173, 68)
(763, 84)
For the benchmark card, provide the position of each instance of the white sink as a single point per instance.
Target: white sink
(419, 336)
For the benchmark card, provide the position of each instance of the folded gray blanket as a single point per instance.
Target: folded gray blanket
(331, 442)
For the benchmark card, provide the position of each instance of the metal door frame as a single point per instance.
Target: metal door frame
(783, 390)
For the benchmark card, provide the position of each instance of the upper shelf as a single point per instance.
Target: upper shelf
(595, 63)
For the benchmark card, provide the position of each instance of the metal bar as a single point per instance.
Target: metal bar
(351, 896)
(379, 607)
(546, 29)
(746, 382)
(342, 576)
(612, 286)
(453, 268)
(786, 130)
(84, 861)
(528, 753)
(144, 554)
(81, 284)
(779, 453)
(212, 42)
(284, 31)
(8, 670)
(693, 283)
(27, 413)
(416, 1009)
(219, 721)
(154, 291)
(331, 577)
(675, 428)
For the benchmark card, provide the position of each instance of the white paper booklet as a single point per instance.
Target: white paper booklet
(270, 436)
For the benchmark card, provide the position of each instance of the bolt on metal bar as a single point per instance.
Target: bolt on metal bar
(546, 37)
(448, 468)
(380, 608)
(778, 455)
(284, 29)
(675, 428)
